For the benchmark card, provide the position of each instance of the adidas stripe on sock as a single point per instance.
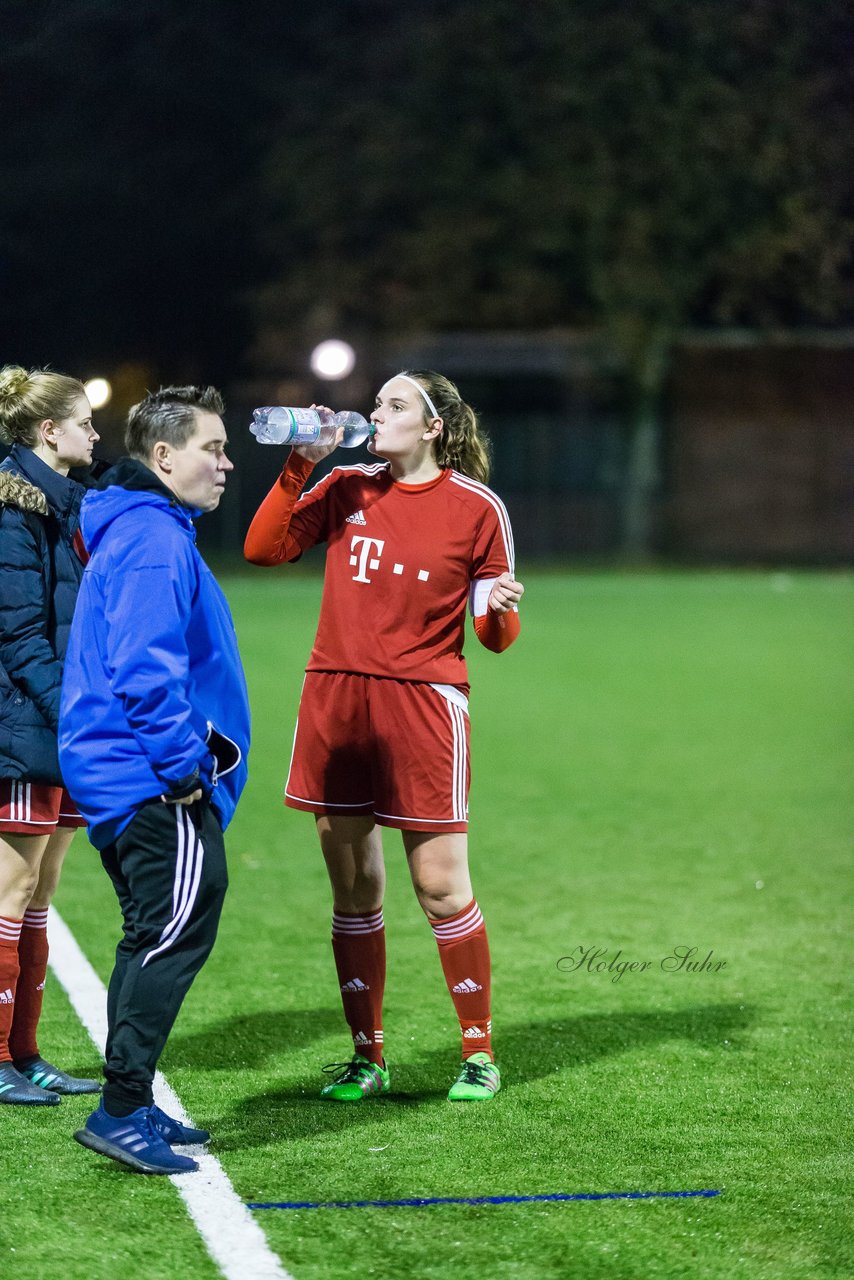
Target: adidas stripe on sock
(10, 934)
(358, 945)
(464, 953)
(32, 958)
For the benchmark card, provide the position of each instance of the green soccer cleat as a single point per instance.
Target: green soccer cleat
(356, 1080)
(478, 1081)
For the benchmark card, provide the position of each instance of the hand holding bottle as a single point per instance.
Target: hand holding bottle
(327, 442)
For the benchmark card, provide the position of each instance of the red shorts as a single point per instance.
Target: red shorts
(35, 809)
(395, 749)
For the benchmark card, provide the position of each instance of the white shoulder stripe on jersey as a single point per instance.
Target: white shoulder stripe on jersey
(474, 486)
(366, 468)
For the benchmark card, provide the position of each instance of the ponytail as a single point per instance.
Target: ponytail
(463, 445)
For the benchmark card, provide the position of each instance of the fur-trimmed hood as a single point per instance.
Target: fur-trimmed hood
(15, 491)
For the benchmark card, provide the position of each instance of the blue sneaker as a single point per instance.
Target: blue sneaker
(175, 1133)
(132, 1140)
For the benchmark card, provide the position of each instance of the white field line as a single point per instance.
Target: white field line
(232, 1237)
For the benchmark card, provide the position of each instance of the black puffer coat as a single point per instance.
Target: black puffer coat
(40, 572)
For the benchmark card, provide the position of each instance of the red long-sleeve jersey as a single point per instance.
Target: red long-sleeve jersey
(402, 563)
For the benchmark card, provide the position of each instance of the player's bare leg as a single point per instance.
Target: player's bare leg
(439, 867)
(50, 867)
(353, 851)
(20, 859)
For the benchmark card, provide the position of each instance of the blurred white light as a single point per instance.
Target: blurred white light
(333, 359)
(99, 392)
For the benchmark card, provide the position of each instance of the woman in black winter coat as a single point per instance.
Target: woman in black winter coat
(47, 419)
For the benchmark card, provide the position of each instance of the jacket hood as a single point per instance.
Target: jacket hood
(127, 486)
(132, 474)
(15, 491)
(58, 493)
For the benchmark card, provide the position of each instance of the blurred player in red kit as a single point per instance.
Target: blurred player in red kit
(382, 736)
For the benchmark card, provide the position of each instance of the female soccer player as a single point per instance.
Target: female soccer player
(47, 419)
(382, 736)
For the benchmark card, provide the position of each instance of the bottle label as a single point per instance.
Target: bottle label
(305, 425)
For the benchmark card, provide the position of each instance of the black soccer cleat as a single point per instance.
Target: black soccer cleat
(17, 1089)
(46, 1076)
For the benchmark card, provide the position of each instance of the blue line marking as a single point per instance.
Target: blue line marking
(422, 1202)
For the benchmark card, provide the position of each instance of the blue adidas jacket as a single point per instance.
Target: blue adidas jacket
(152, 688)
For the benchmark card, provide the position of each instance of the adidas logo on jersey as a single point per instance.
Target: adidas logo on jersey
(474, 1033)
(6, 996)
(467, 987)
(355, 984)
(361, 1038)
(357, 517)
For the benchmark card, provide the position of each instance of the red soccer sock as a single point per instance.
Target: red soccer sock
(464, 952)
(32, 958)
(10, 933)
(358, 944)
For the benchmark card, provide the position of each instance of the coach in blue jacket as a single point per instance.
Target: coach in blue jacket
(153, 736)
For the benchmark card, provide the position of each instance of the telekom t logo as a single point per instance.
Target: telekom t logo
(367, 558)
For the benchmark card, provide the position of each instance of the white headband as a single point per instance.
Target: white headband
(418, 387)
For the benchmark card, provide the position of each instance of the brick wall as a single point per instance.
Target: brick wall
(760, 452)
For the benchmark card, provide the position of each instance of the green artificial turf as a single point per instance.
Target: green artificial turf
(663, 761)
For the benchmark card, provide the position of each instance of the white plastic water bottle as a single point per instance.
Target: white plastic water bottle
(278, 425)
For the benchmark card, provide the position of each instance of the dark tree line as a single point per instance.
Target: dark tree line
(638, 167)
(202, 185)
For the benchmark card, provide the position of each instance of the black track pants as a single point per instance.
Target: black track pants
(168, 869)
